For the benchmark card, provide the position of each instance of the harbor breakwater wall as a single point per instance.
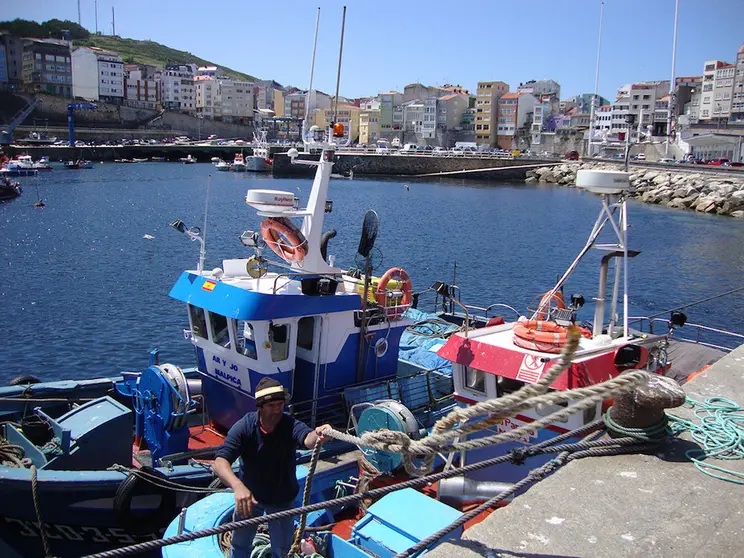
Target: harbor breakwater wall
(718, 194)
(372, 164)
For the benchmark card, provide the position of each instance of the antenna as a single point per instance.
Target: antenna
(312, 69)
(79, 19)
(203, 252)
(113, 21)
(338, 77)
(95, 3)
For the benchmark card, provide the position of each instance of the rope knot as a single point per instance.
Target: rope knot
(519, 455)
(388, 440)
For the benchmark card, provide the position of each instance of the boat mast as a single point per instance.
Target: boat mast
(309, 95)
(671, 82)
(338, 75)
(589, 151)
(203, 251)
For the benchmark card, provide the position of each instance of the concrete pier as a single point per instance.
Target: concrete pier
(629, 505)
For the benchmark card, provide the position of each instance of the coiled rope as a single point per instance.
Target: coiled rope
(11, 455)
(720, 432)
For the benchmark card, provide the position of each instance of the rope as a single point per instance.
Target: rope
(37, 509)
(164, 482)
(11, 455)
(300, 531)
(656, 432)
(720, 432)
(528, 451)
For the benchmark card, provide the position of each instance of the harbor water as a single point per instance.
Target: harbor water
(84, 293)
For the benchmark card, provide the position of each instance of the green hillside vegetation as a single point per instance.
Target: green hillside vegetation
(130, 50)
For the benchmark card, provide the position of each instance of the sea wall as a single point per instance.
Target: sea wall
(704, 193)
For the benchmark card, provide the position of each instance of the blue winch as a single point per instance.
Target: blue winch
(161, 398)
(390, 415)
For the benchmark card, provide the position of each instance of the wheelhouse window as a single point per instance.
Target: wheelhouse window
(475, 380)
(246, 342)
(198, 322)
(220, 333)
(305, 332)
(279, 341)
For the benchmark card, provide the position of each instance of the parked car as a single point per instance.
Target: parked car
(719, 162)
(572, 156)
(667, 160)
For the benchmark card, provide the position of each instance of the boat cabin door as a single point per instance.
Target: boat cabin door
(308, 366)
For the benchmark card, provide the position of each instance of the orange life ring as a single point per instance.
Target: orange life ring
(284, 239)
(538, 334)
(546, 300)
(399, 274)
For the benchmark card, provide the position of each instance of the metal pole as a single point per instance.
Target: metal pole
(203, 252)
(96, 6)
(80, 22)
(671, 83)
(587, 150)
(312, 69)
(338, 76)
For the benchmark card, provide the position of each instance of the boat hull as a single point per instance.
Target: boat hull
(257, 164)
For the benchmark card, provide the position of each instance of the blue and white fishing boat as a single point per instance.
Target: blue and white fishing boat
(107, 462)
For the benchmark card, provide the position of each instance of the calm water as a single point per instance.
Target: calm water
(83, 294)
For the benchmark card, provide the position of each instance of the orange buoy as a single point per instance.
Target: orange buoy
(540, 335)
(284, 239)
(399, 274)
(338, 130)
(545, 301)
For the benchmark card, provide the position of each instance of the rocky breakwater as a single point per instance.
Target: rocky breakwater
(701, 192)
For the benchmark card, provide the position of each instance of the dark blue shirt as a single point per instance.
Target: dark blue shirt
(268, 460)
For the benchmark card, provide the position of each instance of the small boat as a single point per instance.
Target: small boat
(79, 164)
(22, 165)
(215, 160)
(238, 164)
(9, 189)
(145, 160)
(158, 159)
(188, 160)
(222, 166)
(260, 160)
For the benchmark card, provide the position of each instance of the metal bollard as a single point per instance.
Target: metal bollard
(181, 520)
(644, 407)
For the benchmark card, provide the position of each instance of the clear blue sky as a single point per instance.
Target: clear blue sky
(389, 44)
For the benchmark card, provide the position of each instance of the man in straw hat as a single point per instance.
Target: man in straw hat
(265, 441)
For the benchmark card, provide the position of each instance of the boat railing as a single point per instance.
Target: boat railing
(703, 335)
(289, 276)
(421, 391)
(432, 298)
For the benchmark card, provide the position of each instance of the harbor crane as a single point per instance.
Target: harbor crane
(71, 118)
(6, 135)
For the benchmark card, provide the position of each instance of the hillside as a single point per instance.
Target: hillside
(130, 50)
(150, 52)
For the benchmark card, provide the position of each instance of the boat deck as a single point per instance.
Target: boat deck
(632, 505)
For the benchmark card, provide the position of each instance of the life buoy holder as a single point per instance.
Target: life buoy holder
(284, 239)
(545, 301)
(134, 485)
(381, 293)
(540, 335)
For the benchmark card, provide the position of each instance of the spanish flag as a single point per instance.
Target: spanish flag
(209, 285)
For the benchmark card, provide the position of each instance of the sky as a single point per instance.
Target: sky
(389, 44)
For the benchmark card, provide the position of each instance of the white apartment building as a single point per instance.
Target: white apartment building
(294, 103)
(97, 74)
(541, 87)
(205, 90)
(737, 93)
(429, 119)
(178, 87)
(413, 116)
(640, 100)
(372, 103)
(233, 101)
(143, 86)
(718, 78)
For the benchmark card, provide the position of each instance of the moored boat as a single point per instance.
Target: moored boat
(238, 164)
(260, 159)
(9, 189)
(188, 160)
(222, 166)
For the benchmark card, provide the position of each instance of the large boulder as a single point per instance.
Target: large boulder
(738, 214)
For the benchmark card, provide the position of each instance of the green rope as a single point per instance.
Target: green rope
(720, 433)
(653, 433)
